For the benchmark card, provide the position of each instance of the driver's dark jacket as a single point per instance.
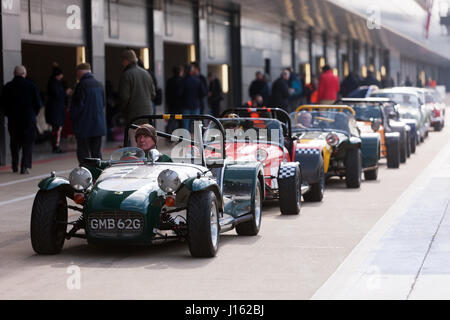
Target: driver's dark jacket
(162, 159)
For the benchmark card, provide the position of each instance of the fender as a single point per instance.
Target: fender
(239, 183)
(311, 162)
(206, 184)
(370, 149)
(52, 183)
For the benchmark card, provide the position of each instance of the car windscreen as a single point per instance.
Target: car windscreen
(252, 130)
(322, 120)
(404, 99)
(367, 111)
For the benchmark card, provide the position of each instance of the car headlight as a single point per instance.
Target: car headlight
(332, 139)
(261, 155)
(80, 179)
(169, 181)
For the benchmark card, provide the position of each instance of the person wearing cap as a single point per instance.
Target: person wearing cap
(136, 90)
(55, 110)
(147, 140)
(21, 103)
(87, 114)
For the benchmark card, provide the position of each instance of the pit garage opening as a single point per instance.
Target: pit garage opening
(177, 54)
(39, 60)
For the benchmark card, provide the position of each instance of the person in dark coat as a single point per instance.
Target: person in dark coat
(87, 114)
(370, 80)
(197, 73)
(55, 111)
(192, 92)
(259, 87)
(215, 95)
(21, 104)
(174, 100)
(281, 92)
(350, 84)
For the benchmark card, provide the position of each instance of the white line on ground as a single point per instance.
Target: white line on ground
(31, 178)
(4, 203)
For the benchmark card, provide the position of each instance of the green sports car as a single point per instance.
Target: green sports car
(136, 199)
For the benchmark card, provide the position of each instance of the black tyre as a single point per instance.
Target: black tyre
(203, 224)
(290, 194)
(393, 154)
(408, 145)
(413, 145)
(48, 222)
(317, 189)
(353, 165)
(371, 175)
(403, 147)
(438, 127)
(251, 228)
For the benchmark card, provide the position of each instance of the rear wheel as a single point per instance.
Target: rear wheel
(317, 189)
(371, 175)
(408, 145)
(403, 147)
(252, 227)
(413, 144)
(438, 127)
(353, 165)
(290, 194)
(203, 224)
(48, 222)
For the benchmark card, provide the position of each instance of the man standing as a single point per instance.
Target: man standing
(174, 102)
(215, 94)
(259, 87)
(281, 92)
(136, 90)
(87, 114)
(55, 111)
(21, 103)
(196, 73)
(329, 86)
(192, 92)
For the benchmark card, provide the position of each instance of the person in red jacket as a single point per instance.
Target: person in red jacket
(328, 86)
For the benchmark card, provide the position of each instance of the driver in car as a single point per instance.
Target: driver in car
(147, 140)
(304, 120)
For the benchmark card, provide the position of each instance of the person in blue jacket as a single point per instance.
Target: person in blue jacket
(87, 114)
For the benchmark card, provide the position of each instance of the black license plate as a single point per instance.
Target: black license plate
(116, 224)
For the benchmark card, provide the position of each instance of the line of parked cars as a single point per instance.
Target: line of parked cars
(222, 171)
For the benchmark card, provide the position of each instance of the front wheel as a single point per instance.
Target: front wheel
(251, 228)
(371, 175)
(48, 222)
(290, 193)
(203, 224)
(353, 165)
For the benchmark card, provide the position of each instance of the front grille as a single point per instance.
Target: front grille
(118, 224)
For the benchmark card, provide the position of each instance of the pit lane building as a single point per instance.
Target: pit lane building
(232, 39)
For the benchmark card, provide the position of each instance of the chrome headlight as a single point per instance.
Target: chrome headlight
(261, 155)
(169, 181)
(80, 179)
(332, 139)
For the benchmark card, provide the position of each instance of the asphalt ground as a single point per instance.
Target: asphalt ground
(291, 258)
